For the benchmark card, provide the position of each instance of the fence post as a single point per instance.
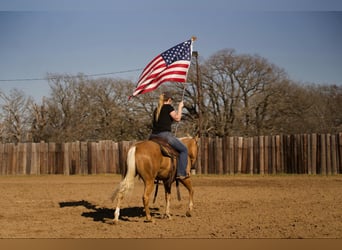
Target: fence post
(239, 154)
(339, 154)
(323, 155)
(93, 156)
(262, 155)
(314, 153)
(266, 154)
(219, 158)
(211, 156)
(305, 154)
(244, 155)
(278, 154)
(66, 158)
(10, 166)
(21, 158)
(43, 157)
(15, 159)
(256, 155)
(333, 154)
(84, 157)
(309, 152)
(250, 155)
(273, 158)
(297, 150)
(101, 157)
(231, 155)
(225, 156)
(34, 159)
(51, 157)
(116, 164)
(328, 153)
(205, 155)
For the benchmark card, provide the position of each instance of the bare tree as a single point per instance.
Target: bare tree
(39, 117)
(325, 114)
(237, 87)
(15, 116)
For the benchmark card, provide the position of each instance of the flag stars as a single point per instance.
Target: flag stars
(179, 52)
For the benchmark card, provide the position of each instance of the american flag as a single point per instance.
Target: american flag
(170, 66)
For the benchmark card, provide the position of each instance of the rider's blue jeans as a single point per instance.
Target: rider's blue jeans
(181, 148)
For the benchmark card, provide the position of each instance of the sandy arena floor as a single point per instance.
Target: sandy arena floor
(226, 207)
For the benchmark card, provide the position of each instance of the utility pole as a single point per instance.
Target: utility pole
(199, 94)
(199, 103)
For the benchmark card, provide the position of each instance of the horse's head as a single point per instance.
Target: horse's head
(192, 144)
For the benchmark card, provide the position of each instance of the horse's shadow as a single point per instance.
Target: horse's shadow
(106, 215)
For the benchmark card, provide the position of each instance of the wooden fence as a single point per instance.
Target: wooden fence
(288, 154)
(280, 154)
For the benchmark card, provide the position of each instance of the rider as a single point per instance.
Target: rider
(163, 116)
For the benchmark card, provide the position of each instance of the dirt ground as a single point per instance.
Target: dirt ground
(226, 207)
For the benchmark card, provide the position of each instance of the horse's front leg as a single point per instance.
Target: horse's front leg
(167, 201)
(188, 184)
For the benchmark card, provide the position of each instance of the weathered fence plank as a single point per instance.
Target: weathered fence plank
(239, 154)
(211, 156)
(21, 158)
(66, 157)
(323, 155)
(244, 155)
(51, 158)
(328, 153)
(314, 153)
(250, 155)
(278, 152)
(262, 154)
(231, 155)
(84, 158)
(219, 158)
(205, 155)
(339, 153)
(333, 154)
(225, 155)
(44, 149)
(309, 157)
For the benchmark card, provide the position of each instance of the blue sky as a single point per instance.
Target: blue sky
(303, 37)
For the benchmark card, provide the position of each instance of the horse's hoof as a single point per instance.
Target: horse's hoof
(115, 222)
(188, 214)
(149, 221)
(167, 216)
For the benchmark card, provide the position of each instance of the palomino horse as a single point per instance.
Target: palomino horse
(146, 160)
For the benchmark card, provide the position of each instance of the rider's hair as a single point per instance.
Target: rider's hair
(160, 105)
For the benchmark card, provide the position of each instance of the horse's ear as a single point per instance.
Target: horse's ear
(196, 138)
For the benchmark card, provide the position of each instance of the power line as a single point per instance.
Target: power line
(52, 77)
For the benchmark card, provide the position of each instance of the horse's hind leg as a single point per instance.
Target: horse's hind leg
(188, 184)
(146, 199)
(117, 209)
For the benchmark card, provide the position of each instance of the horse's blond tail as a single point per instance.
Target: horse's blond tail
(127, 184)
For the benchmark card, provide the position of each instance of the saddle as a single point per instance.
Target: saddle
(166, 149)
